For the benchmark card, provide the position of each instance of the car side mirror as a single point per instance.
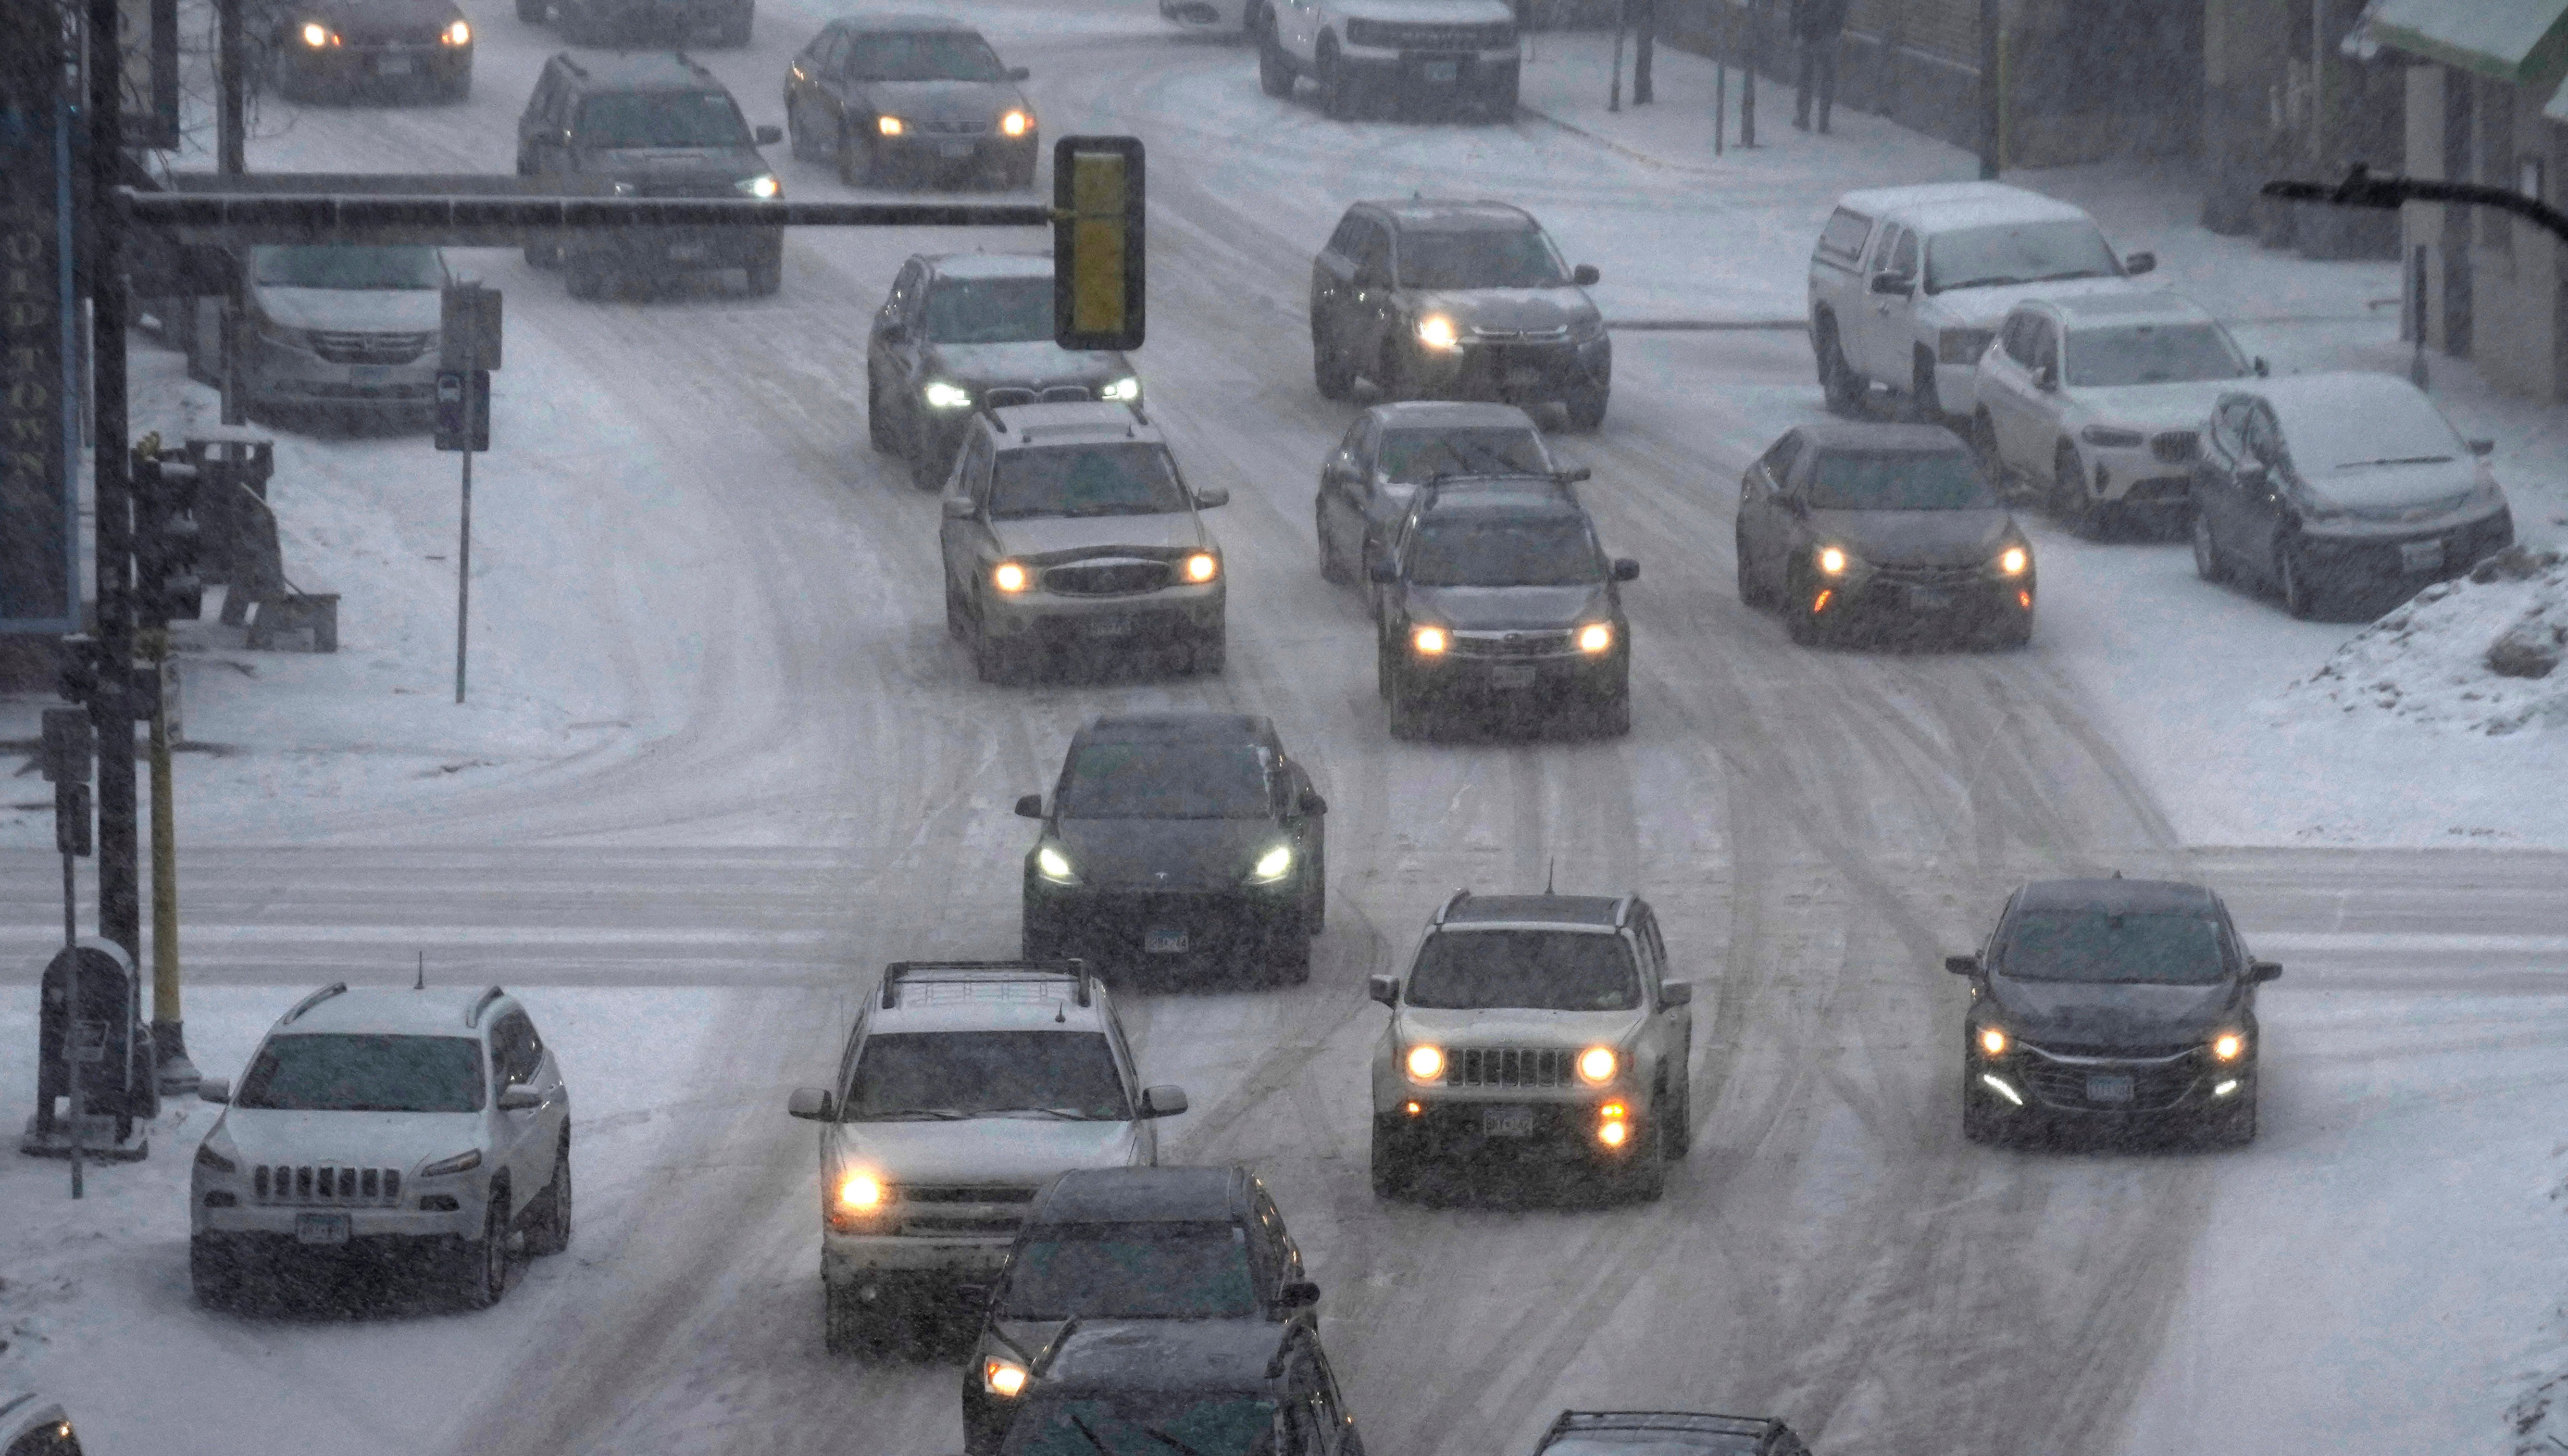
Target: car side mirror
(1968, 964)
(215, 1089)
(2046, 377)
(1310, 802)
(1020, 73)
(1626, 569)
(2140, 263)
(1384, 988)
(2484, 447)
(768, 136)
(2264, 969)
(1213, 496)
(1677, 994)
(960, 508)
(1574, 474)
(521, 1099)
(1895, 285)
(1383, 569)
(1162, 1101)
(1585, 275)
(1301, 1294)
(812, 1104)
(1030, 806)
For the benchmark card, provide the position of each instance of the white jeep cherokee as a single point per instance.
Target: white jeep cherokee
(1421, 50)
(429, 1124)
(966, 1086)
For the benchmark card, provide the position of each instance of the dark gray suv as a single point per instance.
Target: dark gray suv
(649, 126)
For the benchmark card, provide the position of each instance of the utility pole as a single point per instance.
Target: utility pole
(120, 908)
(1747, 75)
(1991, 93)
(178, 1073)
(232, 159)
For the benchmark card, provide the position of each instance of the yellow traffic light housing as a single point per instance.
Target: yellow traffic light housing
(1096, 271)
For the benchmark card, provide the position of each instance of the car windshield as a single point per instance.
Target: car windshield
(638, 119)
(1537, 969)
(2148, 949)
(1898, 481)
(1147, 1425)
(2018, 252)
(937, 1074)
(2390, 426)
(2151, 354)
(1136, 479)
(990, 311)
(1139, 1271)
(1166, 779)
(1488, 257)
(927, 56)
(345, 1071)
(1657, 1444)
(346, 266)
(1408, 456)
(1549, 552)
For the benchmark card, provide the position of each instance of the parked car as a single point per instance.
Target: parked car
(961, 333)
(2110, 1006)
(1189, 841)
(1171, 1387)
(1392, 449)
(2341, 488)
(645, 22)
(343, 329)
(649, 126)
(2097, 404)
(411, 1127)
(1881, 531)
(1667, 1433)
(1138, 1244)
(31, 1425)
(1909, 285)
(891, 95)
(1364, 53)
(966, 1086)
(1436, 299)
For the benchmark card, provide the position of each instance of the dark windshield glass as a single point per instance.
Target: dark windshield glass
(2018, 252)
(1086, 479)
(1657, 1444)
(970, 1073)
(1165, 780)
(2151, 354)
(990, 311)
(1145, 1425)
(2091, 946)
(1131, 1271)
(346, 266)
(1411, 455)
(631, 120)
(352, 1072)
(1540, 970)
(934, 56)
(1515, 257)
(1551, 552)
(1895, 481)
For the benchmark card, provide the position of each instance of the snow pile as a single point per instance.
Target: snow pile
(2479, 654)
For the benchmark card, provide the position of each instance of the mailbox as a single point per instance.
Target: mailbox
(112, 1047)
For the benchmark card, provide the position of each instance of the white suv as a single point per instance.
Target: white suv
(420, 1124)
(966, 1086)
(1424, 50)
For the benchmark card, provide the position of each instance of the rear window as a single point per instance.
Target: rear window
(1533, 970)
(2094, 946)
(933, 1075)
(1138, 1271)
(1841, 241)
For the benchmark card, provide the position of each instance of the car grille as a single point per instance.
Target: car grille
(1927, 576)
(350, 346)
(363, 33)
(2175, 447)
(1508, 1067)
(715, 187)
(324, 1183)
(1427, 36)
(1522, 336)
(2157, 1082)
(992, 1212)
(1011, 395)
(947, 127)
(1510, 644)
(1119, 578)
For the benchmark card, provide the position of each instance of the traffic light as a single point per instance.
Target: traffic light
(166, 585)
(79, 669)
(1096, 270)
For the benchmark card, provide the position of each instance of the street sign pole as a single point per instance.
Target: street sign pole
(468, 349)
(119, 900)
(463, 580)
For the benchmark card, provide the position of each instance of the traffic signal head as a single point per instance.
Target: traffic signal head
(1096, 263)
(166, 586)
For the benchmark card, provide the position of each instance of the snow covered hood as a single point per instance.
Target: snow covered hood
(1490, 609)
(998, 1149)
(401, 1140)
(1166, 853)
(1511, 310)
(1030, 362)
(1428, 12)
(2111, 1014)
(977, 103)
(1514, 1027)
(352, 309)
(2183, 405)
(1917, 537)
(1054, 538)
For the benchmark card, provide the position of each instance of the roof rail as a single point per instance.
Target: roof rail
(315, 1000)
(1623, 911)
(1452, 904)
(482, 1004)
(1073, 966)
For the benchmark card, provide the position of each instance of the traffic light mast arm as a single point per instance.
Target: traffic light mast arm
(2361, 189)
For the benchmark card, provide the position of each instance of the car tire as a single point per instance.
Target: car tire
(1612, 717)
(1337, 87)
(1274, 68)
(1315, 906)
(1799, 620)
(1645, 1176)
(1333, 569)
(958, 617)
(1408, 715)
(482, 1272)
(921, 454)
(1501, 103)
(1925, 402)
(992, 661)
(1586, 409)
(1751, 584)
(1331, 374)
(1845, 389)
(457, 91)
(550, 1231)
(738, 30)
(2206, 550)
(1383, 667)
(1394, 1161)
(213, 1271)
(535, 12)
(548, 255)
(2014, 635)
(1018, 175)
(856, 160)
(2236, 1128)
(1984, 446)
(878, 430)
(842, 1321)
(766, 274)
(1980, 1122)
(1676, 1136)
(1209, 653)
(2291, 579)
(1288, 952)
(2069, 495)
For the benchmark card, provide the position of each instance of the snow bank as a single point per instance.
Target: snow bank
(2436, 659)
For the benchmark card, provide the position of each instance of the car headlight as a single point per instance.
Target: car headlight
(1017, 124)
(1054, 865)
(1426, 1062)
(457, 34)
(207, 1157)
(763, 185)
(1273, 865)
(1123, 390)
(1993, 1040)
(888, 126)
(942, 396)
(1597, 1066)
(1962, 345)
(2014, 561)
(1009, 577)
(317, 35)
(1202, 567)
(1834, 560)
(1003, 1378)
(1437, 332)
(1429, 641)
(2228, 1047)
(463, 1162)
(863, 1193)
(1596, 638)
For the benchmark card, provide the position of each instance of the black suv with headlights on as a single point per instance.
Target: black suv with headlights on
(905, 93)
(1495, 596)
(2108, 1005)
(1182, 1387)
(1179, 838)
(649, 126)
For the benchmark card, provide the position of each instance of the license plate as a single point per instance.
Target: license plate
(686, 252)
(1110, 627)
(321, 1228)
(2420, 555)
(1507, 1123)
(1440, 73)
(393, 65)
(1163, 940)
(1516, 677)
(1928, 599)
(1524, 379)
(369, 373)
(2108, 1088)
(954, 150)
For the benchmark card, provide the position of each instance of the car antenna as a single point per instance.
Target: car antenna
(1060, 1014)
(2117, 874)
(1548, 866)
(420, 983)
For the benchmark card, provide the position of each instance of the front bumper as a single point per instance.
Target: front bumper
(948, 151)
(2109, 1090)
(281, 1224)
(874, 1262)
(1532, 682)
(681, 249)
(277, 373)
(1517, 370)
(1509, 1123)
(1893, 601)
(2136, 476)
(1430, 71)
(392, 64)
(1202, 929)
(1168, 617)
(2350, 561)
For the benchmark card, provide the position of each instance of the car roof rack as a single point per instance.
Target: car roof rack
(1453, 902)
(315, 1000)
(1084, 990)
(1623, 910)
(482, 1004)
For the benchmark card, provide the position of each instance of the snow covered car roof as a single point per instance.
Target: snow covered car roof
(1934, 206)
(438, 1011)
(1446, 214)
(1143, 1194)
(2135, 307)
(2379, 410)
(990, 265)
(2118, 896)
(1033, 427)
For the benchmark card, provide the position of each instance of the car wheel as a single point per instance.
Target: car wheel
(878, 430)
(1983, 444)
(483, 1274)
(1209, 653)
(1333, 568)
(1408, 715)
(2069, 495)
(1800, 619)
(1274, 68)
(1337, 87)
(535, 12)
(1394, 1161)
(857, 161)
(1020, 173)
(551, 1233)
(767, 275)
(456, 91)
(548, 255)
(1392, 374)
(991, 660)
(1315, 906)
(1383, 666)
(1501, 103)
(2206, 551)
(1645, 1176)
(958, 619)
(1288, 952)
(1331, 374)
(213, 1271)
(2291, 578)
(1586, 409)
(1925, 402)
(1676, 1137)
(842, 1321)
(1612, 717)
(738, 31)
(1845, 389)
(1979, 1119)
(921, 454)
(1752, 585)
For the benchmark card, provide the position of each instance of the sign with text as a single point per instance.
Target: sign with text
(39, 398)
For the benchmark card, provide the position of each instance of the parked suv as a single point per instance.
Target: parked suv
(1495, 595)
(416, 1125)
(965, 1088)
(1456, 300)
(1543, 1026)
(1169, 1387)
(1138, 1244)
(1909, 285)
(344, 329)
(1392, 449)
(1452, 52)
(1068, 527)
(649, 126)
(967, 332)
(884, 95)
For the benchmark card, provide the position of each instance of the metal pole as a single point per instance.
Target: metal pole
(120, 908)
(463, 557)
(168, 1032)
(1719, 107)
(230, 139)
(1748, 76)
(1989, 89)
(1614, 93)
(71, 1017)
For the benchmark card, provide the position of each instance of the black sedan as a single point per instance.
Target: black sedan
(1185, 840)
(2110, 1005)
(1875, 532)
(892, 96)
(338, 49)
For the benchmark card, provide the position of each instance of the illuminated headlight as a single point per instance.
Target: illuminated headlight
(1202, 567)
(1993, 1042)
(1962, 345)
(1003, 1378)
(1009, 577)
(2228, 1047)
(763, 185)
(1429, 641)
(317, 36)
(1832, 560)
(2224, 1088)
(1997, 1084)
(888, 126)
(1437, 332)
(863, 1193)
(1613, 1132)
(942, 396)
(1597, 1066)
(2105, 436)
(1426, 1064)
(463, 1162)
(1123, 392)
(1273, 865)
(457, 34)
(1016, 123)
(2013, 560)
(1054, 865)
(1595, 638)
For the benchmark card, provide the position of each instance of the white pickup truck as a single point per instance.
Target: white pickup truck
(1909, 285)
(1358, 51)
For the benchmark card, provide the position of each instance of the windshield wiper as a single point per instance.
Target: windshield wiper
(1065, 1114)
(1081, 1426)
(920, 1115)
(2063, 277)
(2397, 461)
(1995, 280)
(1169, 1441)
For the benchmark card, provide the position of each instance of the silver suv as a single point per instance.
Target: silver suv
(966, 1086)
(1068, 527)
(428, 1124)
(1537, 1027)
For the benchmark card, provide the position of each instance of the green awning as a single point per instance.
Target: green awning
(2522, 42)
